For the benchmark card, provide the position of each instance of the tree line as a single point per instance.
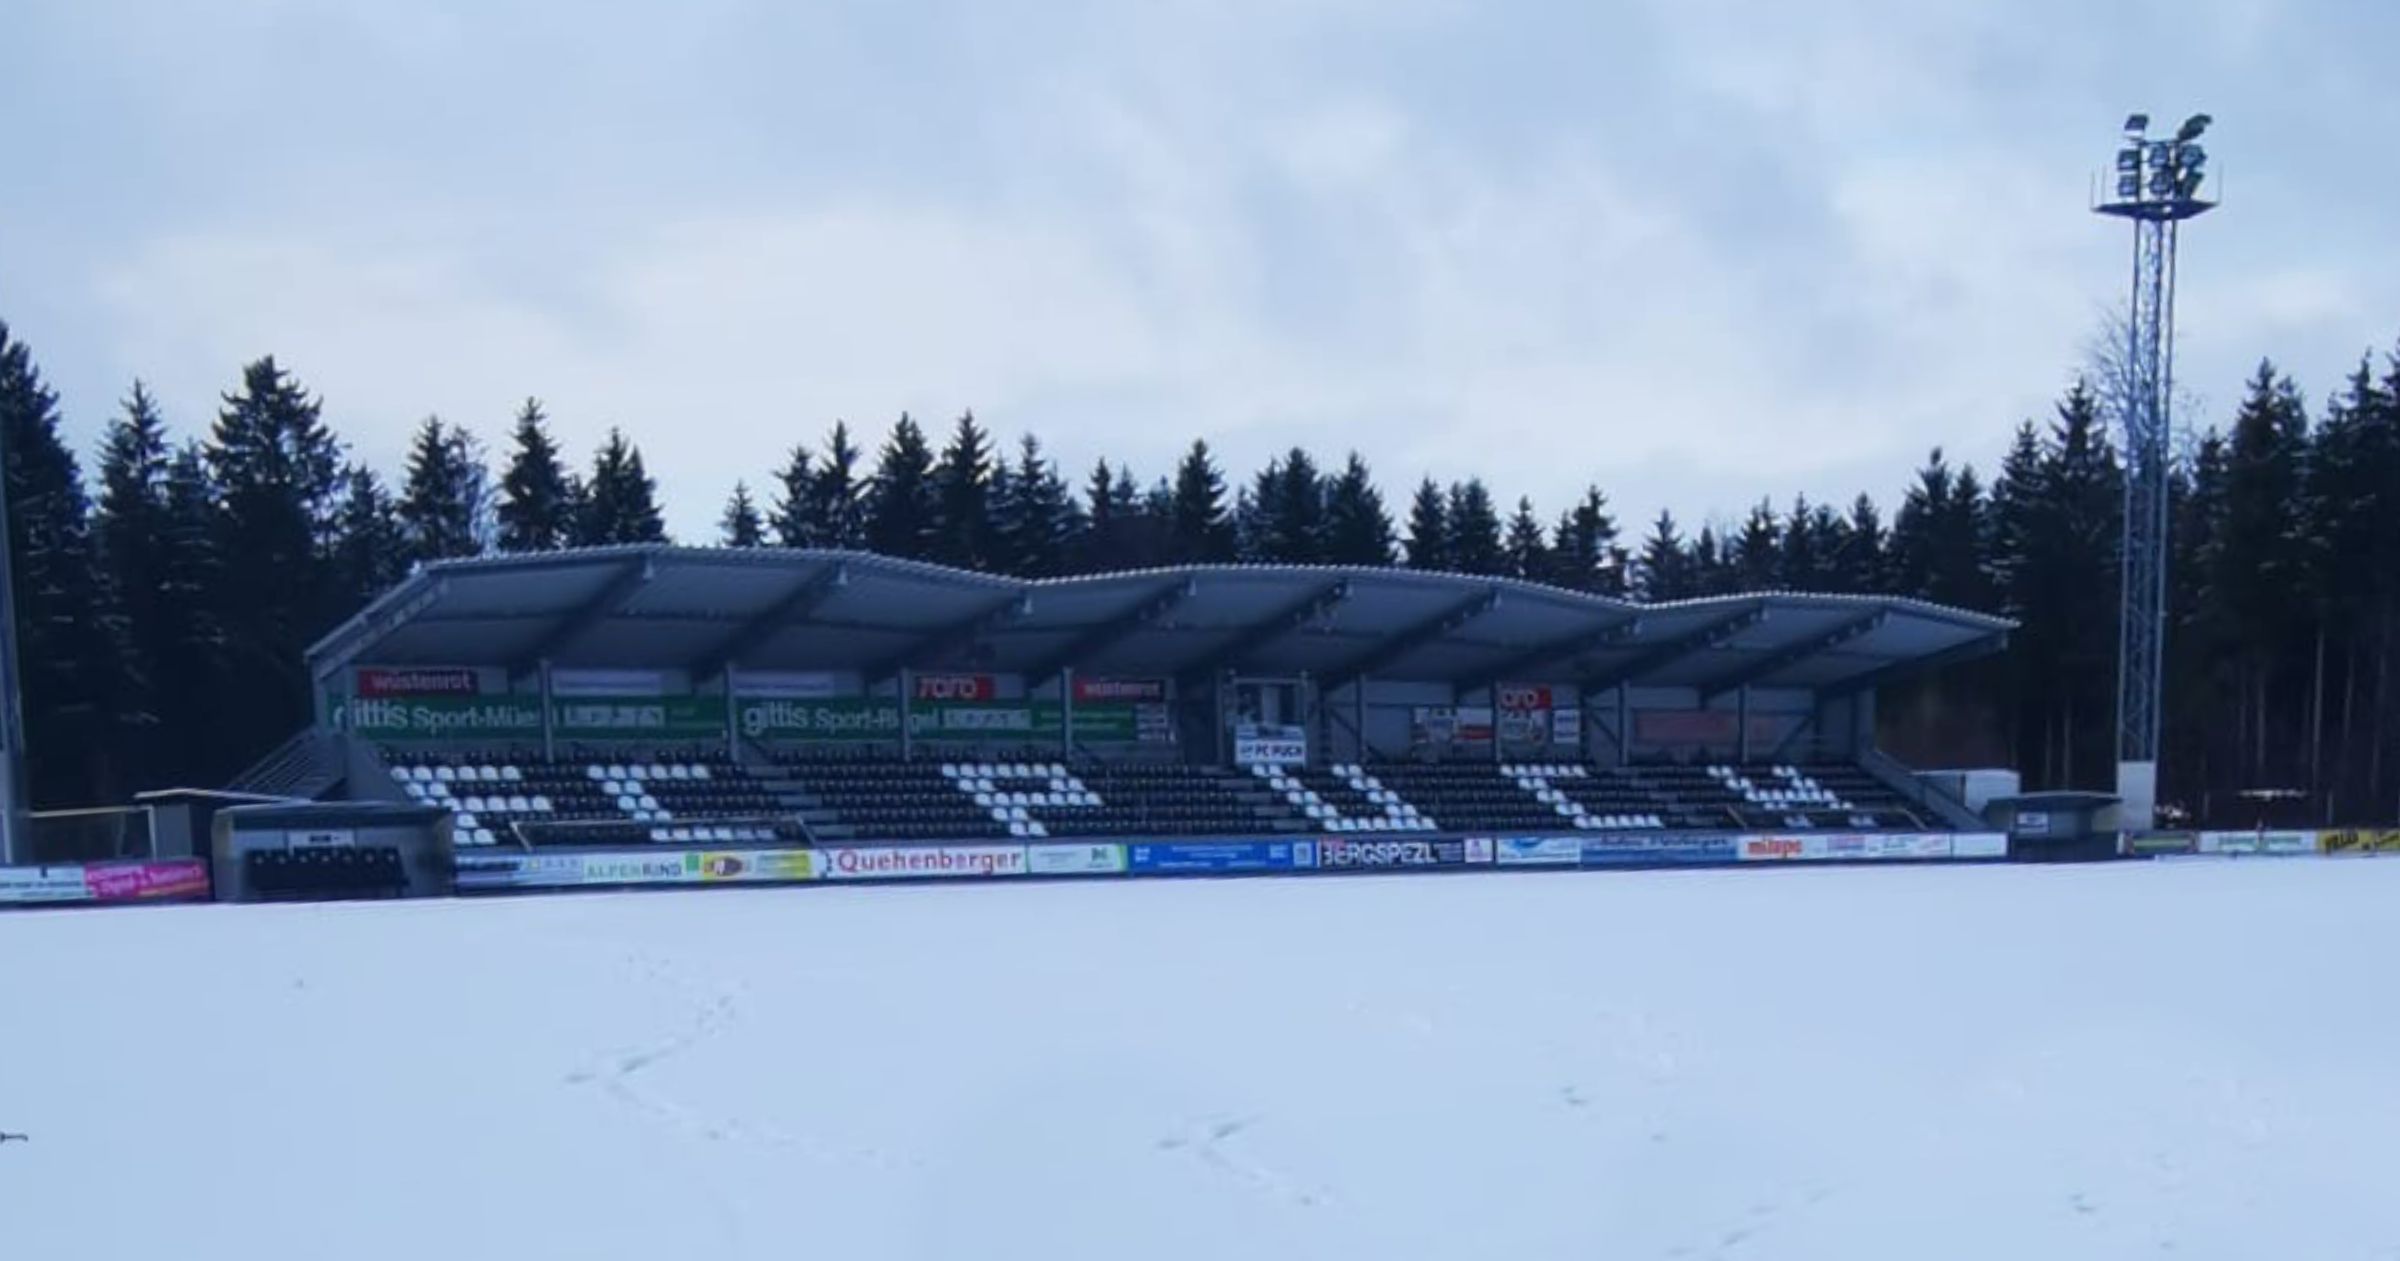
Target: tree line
(164, 606)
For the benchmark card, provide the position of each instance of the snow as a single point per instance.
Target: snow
(2187, 1060)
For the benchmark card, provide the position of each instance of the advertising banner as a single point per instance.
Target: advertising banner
(955, 687)
(1566, 726)
(1978, 845)
(2273, 844)
(911, 862)
(520, 717)
(789, 685)
(2359, 841)
(2152, 844)
(422, 681)
(29, 885)
(1206, 856)
(1126, 691)
(1478, 849)
(586, 682)
(1538, 851)
(1258, 744)
(1332, 855)
(1773, 848)
(147, 881)
(566, 871)
(321, 838)
(1909, 845)
(860, 718)
(1522, 697)
(1657, 850)
(1064, 859)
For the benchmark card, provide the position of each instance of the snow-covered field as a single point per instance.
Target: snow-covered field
(2186, 1060)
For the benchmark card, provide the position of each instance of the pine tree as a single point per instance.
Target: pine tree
(1860, 563)
(1806, 559)
(132, 536)
(1428, 544)
(798, 514)
(620, 503)
(2261, 563)
(443, 504)
(1527, 551)
(1584, 551)
(1665, 568)
(277, 471)
(1198, 529)
(1937, 537)
(1107, 544)
(1036, 525)
(1757, 558)
(1475, 546)
(190, 681)
(901, 511)
(741, 526)
(70, 637)
(1712, 574)
(372, 540)
(1357, 529)
(539, 500)
(962, 497)
(836, 508)
(1287, 503)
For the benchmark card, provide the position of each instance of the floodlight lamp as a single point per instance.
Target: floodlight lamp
(2136, 124)
(2161, 183)
(2189, 186)
(2160, 155)
(2129, 186)
(2193, 126)
(2190, 157)
(2129, 159)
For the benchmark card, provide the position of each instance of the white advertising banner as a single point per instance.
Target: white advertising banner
(1538, 851)
(1979, 845)
(1067, 859)
(1256, 744)
(903, 862)
(789, 685)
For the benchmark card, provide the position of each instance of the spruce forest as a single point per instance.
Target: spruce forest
(165, 599)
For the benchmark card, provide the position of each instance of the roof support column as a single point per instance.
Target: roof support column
(1741, 721)
(1066, 712)
(1358, 712)
(733, 716)
(549, 712)
(1624, 726)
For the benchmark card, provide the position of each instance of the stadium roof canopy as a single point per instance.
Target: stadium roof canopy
(664, 607)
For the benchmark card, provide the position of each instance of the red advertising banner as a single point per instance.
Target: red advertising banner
(1520, 697)
(955, 687)
(143, 882)
(1107, 690)
(381, 681)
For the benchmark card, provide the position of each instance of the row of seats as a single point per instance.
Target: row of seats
(487, 793)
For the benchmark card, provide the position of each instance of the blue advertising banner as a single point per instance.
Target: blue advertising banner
(1657, 849)
(1224, 856)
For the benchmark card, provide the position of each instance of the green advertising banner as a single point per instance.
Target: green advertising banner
(857, 718)
(683, 718)
(701, 719)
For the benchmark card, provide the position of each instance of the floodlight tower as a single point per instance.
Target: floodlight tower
(2157, 187)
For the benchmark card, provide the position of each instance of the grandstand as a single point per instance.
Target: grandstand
(660, 697)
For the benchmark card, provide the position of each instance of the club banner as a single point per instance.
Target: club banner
(914, 862)
(22, 886)
(1656, 850)
(1538, 851)
(1075, 860)
(1206, 856)
(1259, 744)
(1334, 855)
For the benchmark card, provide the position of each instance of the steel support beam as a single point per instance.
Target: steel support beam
(1267, 630)
(1668, 652)
(1564, 648)
(605, 603)
(1868, 680)
(795, 605)
(1791, 654)
(944, 640)
(1111, 632)
(1409, 638)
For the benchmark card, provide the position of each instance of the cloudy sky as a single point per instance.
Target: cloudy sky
(1692, 250)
